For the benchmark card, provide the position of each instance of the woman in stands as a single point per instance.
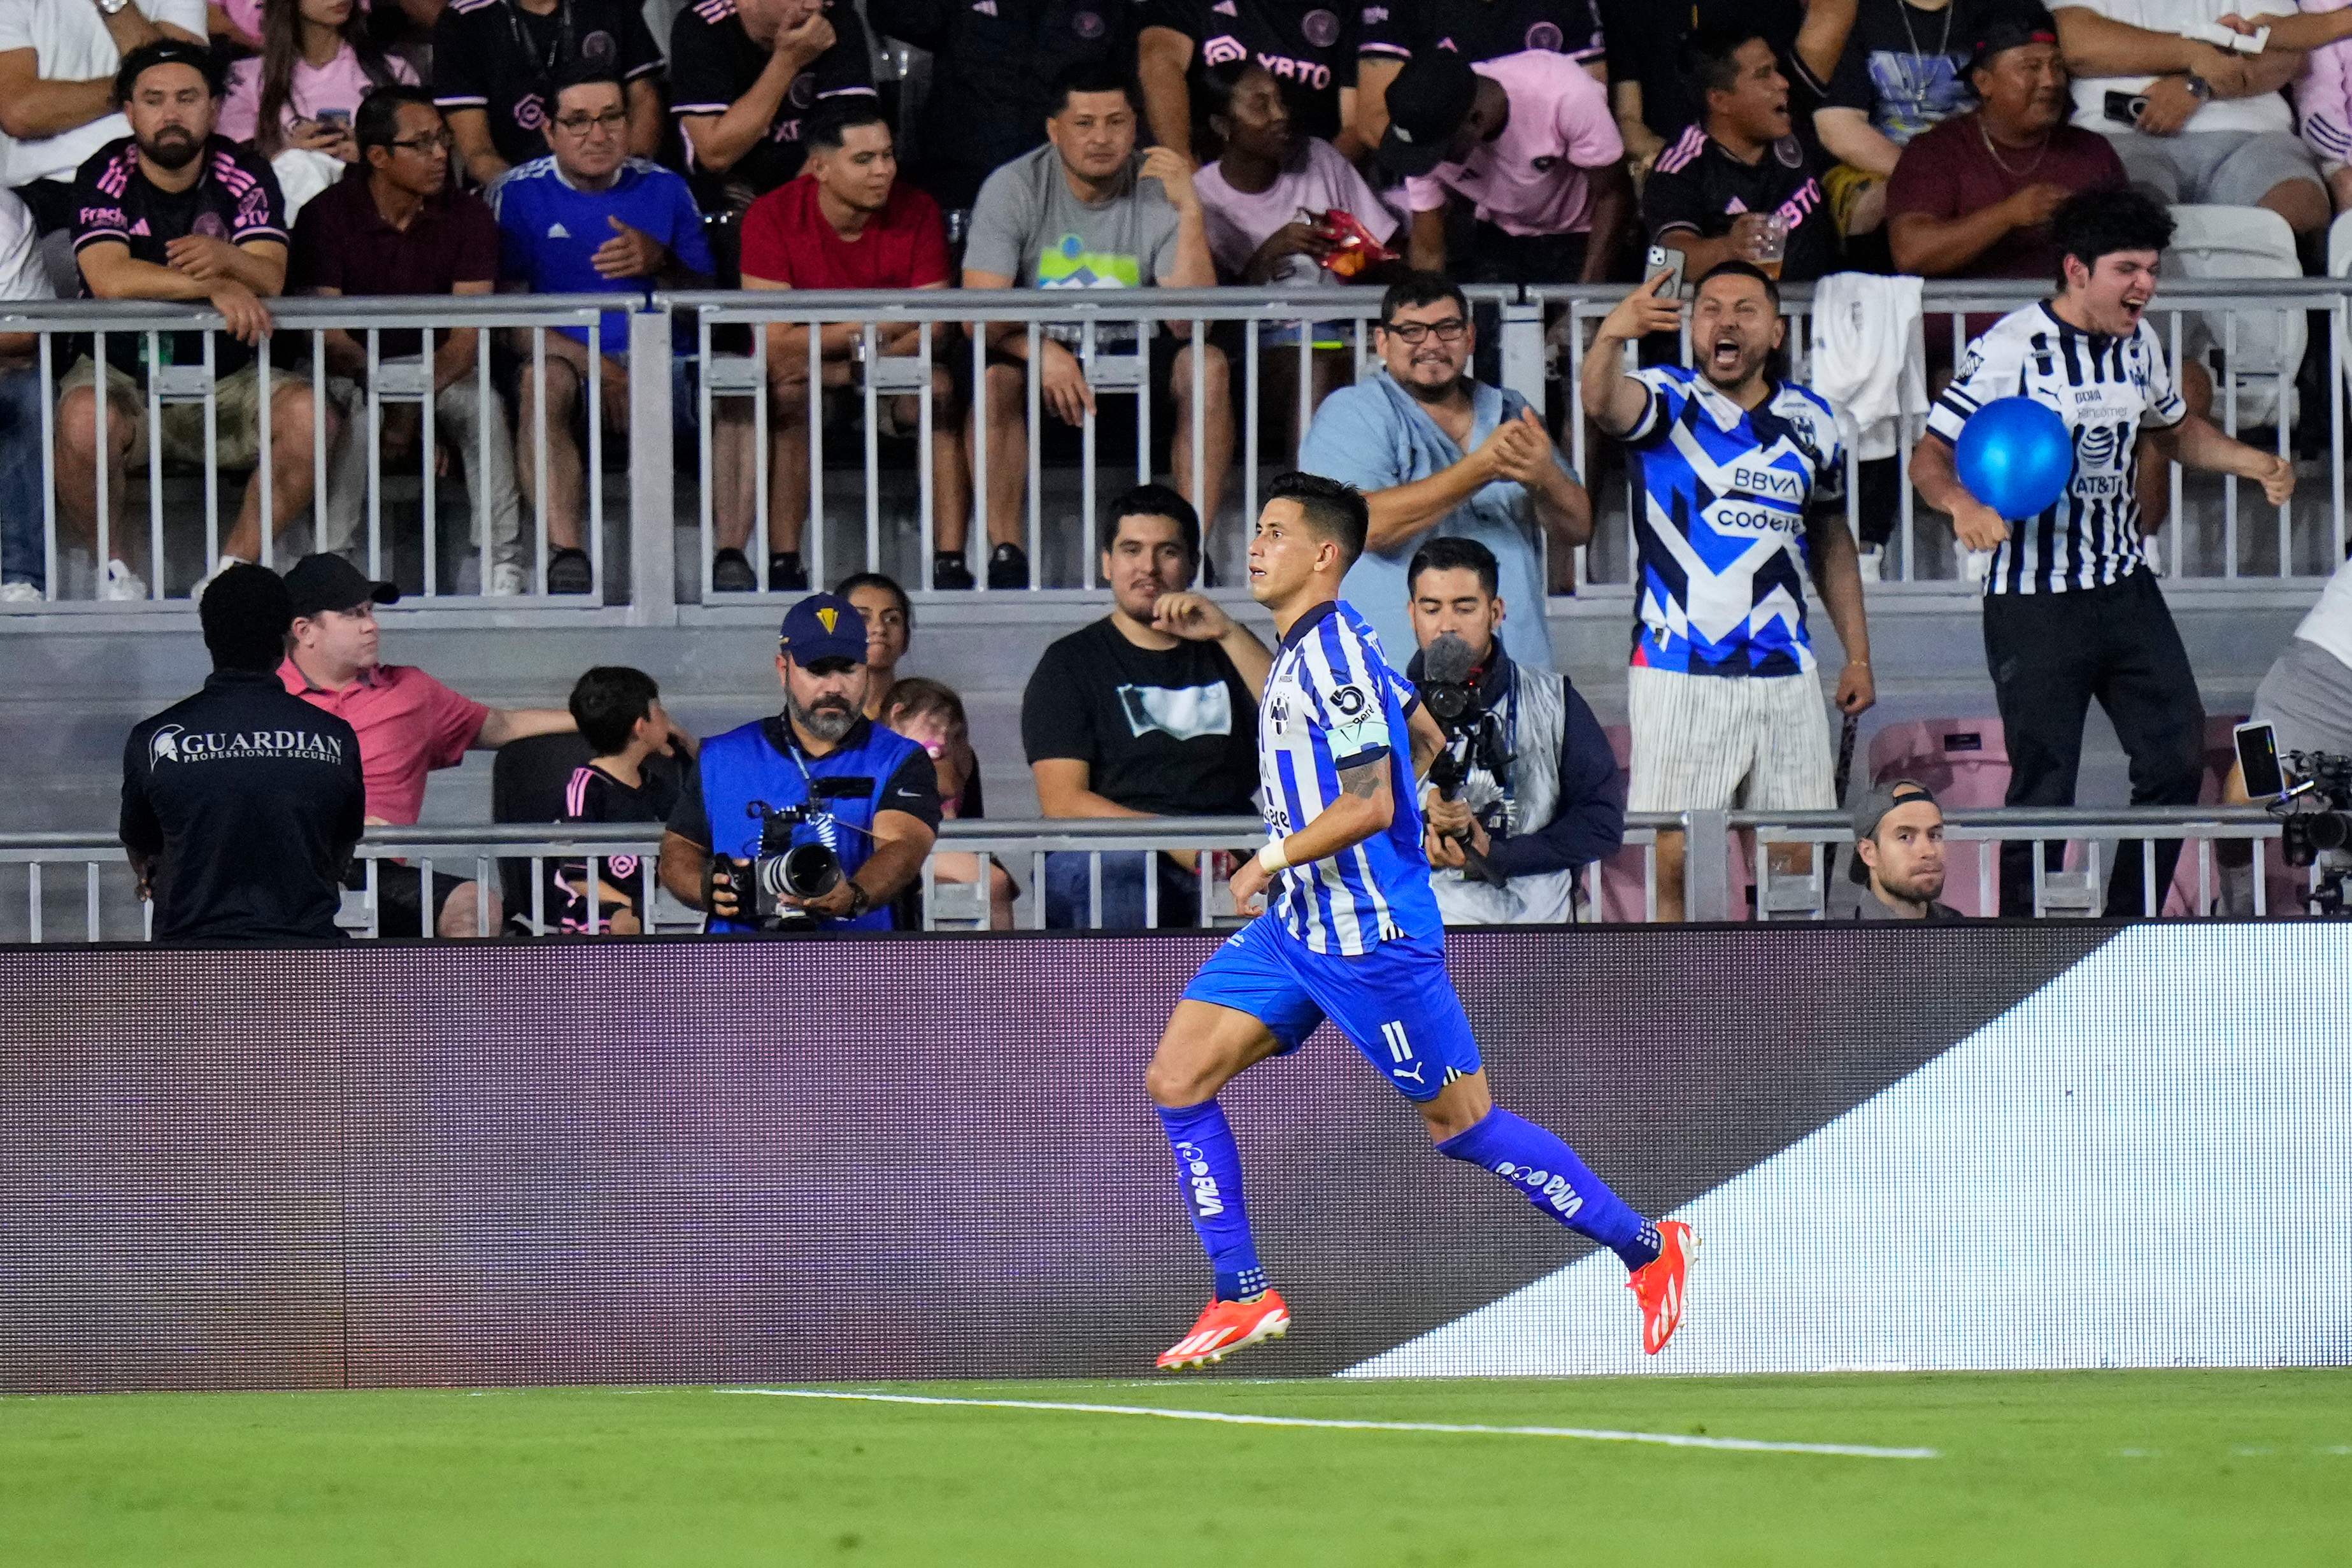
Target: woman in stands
(295, 100)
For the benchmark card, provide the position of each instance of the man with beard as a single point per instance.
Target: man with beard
(876, 794)
(1741, 475)
(173, 212)
(1149, 712)
(2071, 610)
(1898, 854)
(1438, 454)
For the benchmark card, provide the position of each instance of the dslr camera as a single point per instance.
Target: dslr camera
(1473, 736)
(2312, 798)
(783, 869)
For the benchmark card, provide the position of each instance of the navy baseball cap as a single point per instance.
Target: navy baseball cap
(1427, 103)
(823, 625)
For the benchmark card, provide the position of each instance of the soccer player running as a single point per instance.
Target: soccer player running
(1353, 934)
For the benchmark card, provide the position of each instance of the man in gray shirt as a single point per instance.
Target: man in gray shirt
(1084, 212)
(1898, 854)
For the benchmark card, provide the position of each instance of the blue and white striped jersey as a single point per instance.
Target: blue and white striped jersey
(1721, 529)
(1331, 700)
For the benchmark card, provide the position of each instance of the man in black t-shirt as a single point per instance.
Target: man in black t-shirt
(745, 75)
(1149, 712)
(990, 68)
(1391, 32)
(173, 212)
(1307, 46)
(495, 64)
(240, 806)
(1711, 191)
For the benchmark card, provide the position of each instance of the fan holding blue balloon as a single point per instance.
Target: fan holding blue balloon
(2014, 455)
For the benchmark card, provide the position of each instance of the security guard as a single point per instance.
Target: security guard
(876, 794)
(240, 806)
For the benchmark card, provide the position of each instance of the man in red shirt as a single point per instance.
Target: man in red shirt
(848, 223)
(408, 724)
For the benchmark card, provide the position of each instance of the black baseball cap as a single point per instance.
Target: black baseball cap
(2010, 27)
(1427, 102)
(321, 583)
(1872, 809)
(823, 625)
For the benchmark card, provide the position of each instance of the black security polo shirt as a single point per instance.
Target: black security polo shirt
(993, 62)
(249, 800)
(1307, 46)
(713, 62)
(1480, 30)
(494, 55)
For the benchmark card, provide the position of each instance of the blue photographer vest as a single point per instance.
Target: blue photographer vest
(745, 765)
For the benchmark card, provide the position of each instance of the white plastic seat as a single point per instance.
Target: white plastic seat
(2265, 347)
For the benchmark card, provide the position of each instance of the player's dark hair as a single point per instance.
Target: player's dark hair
(1447, 554)
(582, 74)
(1088, 76)
(1154, 500)
(2102, 222)
(246, 614)
(1414, 290)
(376, 122)
(829, 127)
(1710, 60)
(1738, 269)
(884, 581)
(1338, 511)
(606, 703)
(170, 52)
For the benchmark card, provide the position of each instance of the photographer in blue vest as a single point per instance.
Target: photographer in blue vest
(815, 818)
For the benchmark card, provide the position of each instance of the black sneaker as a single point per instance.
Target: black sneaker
(569, 572)
(785, 573)
(732, 573)
(949, 574)
(1008, 567)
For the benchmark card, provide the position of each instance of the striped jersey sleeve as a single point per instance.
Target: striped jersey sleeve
(1993, 367)
(1349, 686)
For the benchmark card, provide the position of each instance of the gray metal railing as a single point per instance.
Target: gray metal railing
(78, 887)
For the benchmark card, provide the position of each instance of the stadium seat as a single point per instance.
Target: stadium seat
(2241, 242)
(1621, 901)
(1966, 763)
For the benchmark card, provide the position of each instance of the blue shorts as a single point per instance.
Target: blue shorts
(1396, 1002)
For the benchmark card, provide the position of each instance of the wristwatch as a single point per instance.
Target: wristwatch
(860, 900)
(2199, 88)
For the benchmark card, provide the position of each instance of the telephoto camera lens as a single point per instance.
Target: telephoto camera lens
(803, 871)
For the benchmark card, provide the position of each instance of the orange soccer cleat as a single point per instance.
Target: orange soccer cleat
(1225, 1327)
(1662, 1285)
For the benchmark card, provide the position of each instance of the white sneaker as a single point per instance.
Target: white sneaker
(508, 579)
(121, 585)
(1871, 561)
(220, 566)
(19, 594)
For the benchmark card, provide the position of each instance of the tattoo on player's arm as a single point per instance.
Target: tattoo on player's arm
(1363, 781)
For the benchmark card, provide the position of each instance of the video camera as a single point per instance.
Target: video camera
(1473, 736)
(2312, 798)
(783, 869)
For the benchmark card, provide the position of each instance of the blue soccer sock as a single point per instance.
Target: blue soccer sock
(1209, 1173)
(1551, 1176)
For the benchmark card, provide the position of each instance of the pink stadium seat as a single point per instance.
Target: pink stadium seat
(1621, 874)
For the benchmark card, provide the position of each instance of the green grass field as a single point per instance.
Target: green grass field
(2093, 1467)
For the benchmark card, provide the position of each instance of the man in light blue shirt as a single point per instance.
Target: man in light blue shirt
(1439, 455)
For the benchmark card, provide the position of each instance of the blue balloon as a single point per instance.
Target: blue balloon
(2015, 455)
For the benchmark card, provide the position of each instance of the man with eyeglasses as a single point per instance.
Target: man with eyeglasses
(497, 65)
(1439, 454)
(395, 226)
(590, 219)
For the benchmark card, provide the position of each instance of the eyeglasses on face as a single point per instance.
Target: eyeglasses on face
(1413, 334)
(425, 146)
(610, 122)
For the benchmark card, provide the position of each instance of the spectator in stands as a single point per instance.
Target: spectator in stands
(992, 68)
(849, 222)
(1649, 88)
(296, 100)
(2070, 611)
(1710, 193)
(175, 212)
(619, 712)
(890, 627)
(1151, 712)
(1310, 45)
(409, 725)
(1438, 453)
(1898, 854)
(1527, 147)
(497, 64)
(1542, 797)
(876, 793)
(396, 227)
(930, 714)
(2323, 105)
(1084, 212)
(1741, 475)
(747, 78)
(1902, 70)
(58, 59)
(24, 554)
(1388, 36)
(241, 805)
(586, 219)
(2216, 127)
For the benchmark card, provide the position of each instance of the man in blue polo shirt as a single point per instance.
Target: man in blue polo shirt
(590, 219)
(876, 794)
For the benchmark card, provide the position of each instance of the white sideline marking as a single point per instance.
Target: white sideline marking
(1233, 1419)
